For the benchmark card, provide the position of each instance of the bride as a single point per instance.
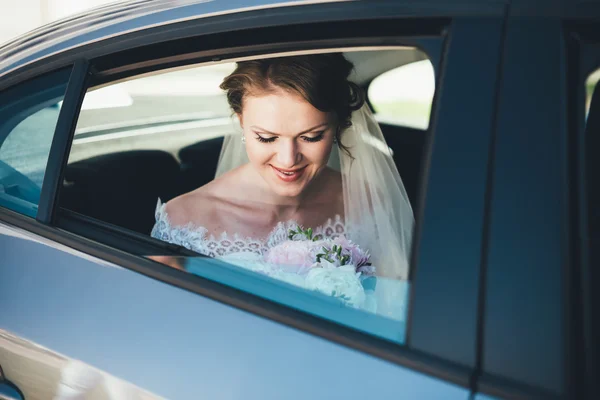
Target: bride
(309, 154)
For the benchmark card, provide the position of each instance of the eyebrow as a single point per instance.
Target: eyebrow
(277, 134)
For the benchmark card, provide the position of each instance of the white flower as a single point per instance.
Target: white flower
(341, 282)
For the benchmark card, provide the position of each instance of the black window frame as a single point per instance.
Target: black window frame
(583, 59)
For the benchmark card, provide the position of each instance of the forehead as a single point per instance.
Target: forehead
(281, 111)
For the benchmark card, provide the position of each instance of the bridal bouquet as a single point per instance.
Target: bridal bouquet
(330, 266)
(304, 251)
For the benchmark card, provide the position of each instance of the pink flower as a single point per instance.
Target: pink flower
(300, 255)
(295, 253)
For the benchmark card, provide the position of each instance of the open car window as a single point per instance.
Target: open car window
(404, 95)
(164, 111)
(142, 142)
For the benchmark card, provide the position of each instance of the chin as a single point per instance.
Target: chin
(287, 191)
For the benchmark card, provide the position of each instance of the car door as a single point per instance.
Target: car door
(539, 262)
(85, 315)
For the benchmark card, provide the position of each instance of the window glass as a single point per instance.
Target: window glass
(403, 96)
(157, 139)
(28, 117)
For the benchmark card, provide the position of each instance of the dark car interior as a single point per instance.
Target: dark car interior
(123, 188)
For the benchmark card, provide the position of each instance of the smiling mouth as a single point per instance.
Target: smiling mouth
(288, 175)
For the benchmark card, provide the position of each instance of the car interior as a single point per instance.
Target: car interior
(122, 187)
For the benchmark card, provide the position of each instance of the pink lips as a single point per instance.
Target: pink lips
(288, 175)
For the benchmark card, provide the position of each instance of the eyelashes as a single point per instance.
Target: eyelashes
(317, 138)
(308, 139)
(265, 140)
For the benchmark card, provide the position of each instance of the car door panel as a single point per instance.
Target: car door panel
(174, 343)
(481, 396)
(528, 227)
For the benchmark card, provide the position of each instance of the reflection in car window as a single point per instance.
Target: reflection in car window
(403, 96)
(289, 293)
(147, 143)
(26, 148)
(28, 114)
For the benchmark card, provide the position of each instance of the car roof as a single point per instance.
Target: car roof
(129, 16)
(120, 18)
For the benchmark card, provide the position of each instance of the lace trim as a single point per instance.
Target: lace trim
(196, 238)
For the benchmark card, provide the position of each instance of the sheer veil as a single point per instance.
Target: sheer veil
(378, 214)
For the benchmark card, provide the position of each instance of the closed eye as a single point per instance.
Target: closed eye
(263, 139)
(314, 138)
(309, 139)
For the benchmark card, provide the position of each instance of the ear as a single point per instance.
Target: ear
(239, 116)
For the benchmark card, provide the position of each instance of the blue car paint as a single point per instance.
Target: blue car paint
(177, 344)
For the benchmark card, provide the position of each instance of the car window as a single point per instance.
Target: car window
(148, 138)
(28, 117)
(403, 96)
(145, 141)
(165, 111)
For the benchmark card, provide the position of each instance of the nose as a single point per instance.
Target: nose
(288, 154)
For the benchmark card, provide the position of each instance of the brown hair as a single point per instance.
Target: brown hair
(320, 79)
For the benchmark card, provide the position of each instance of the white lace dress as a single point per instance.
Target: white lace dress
(196, 238)
(249, 253)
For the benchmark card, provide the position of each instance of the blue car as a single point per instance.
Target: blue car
(491, 111)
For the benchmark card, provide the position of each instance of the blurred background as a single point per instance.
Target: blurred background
(21, 16)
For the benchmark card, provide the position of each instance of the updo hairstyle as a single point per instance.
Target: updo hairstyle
(320, 79)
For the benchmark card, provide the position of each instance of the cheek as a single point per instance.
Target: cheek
(258, 153)
(318, 153)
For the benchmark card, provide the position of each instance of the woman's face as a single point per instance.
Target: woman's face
(288, 140)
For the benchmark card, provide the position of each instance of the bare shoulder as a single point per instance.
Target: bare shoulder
(183, 209)
(200, 207)
(195, 207)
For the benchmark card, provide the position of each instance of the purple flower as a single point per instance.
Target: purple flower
(358, 257)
